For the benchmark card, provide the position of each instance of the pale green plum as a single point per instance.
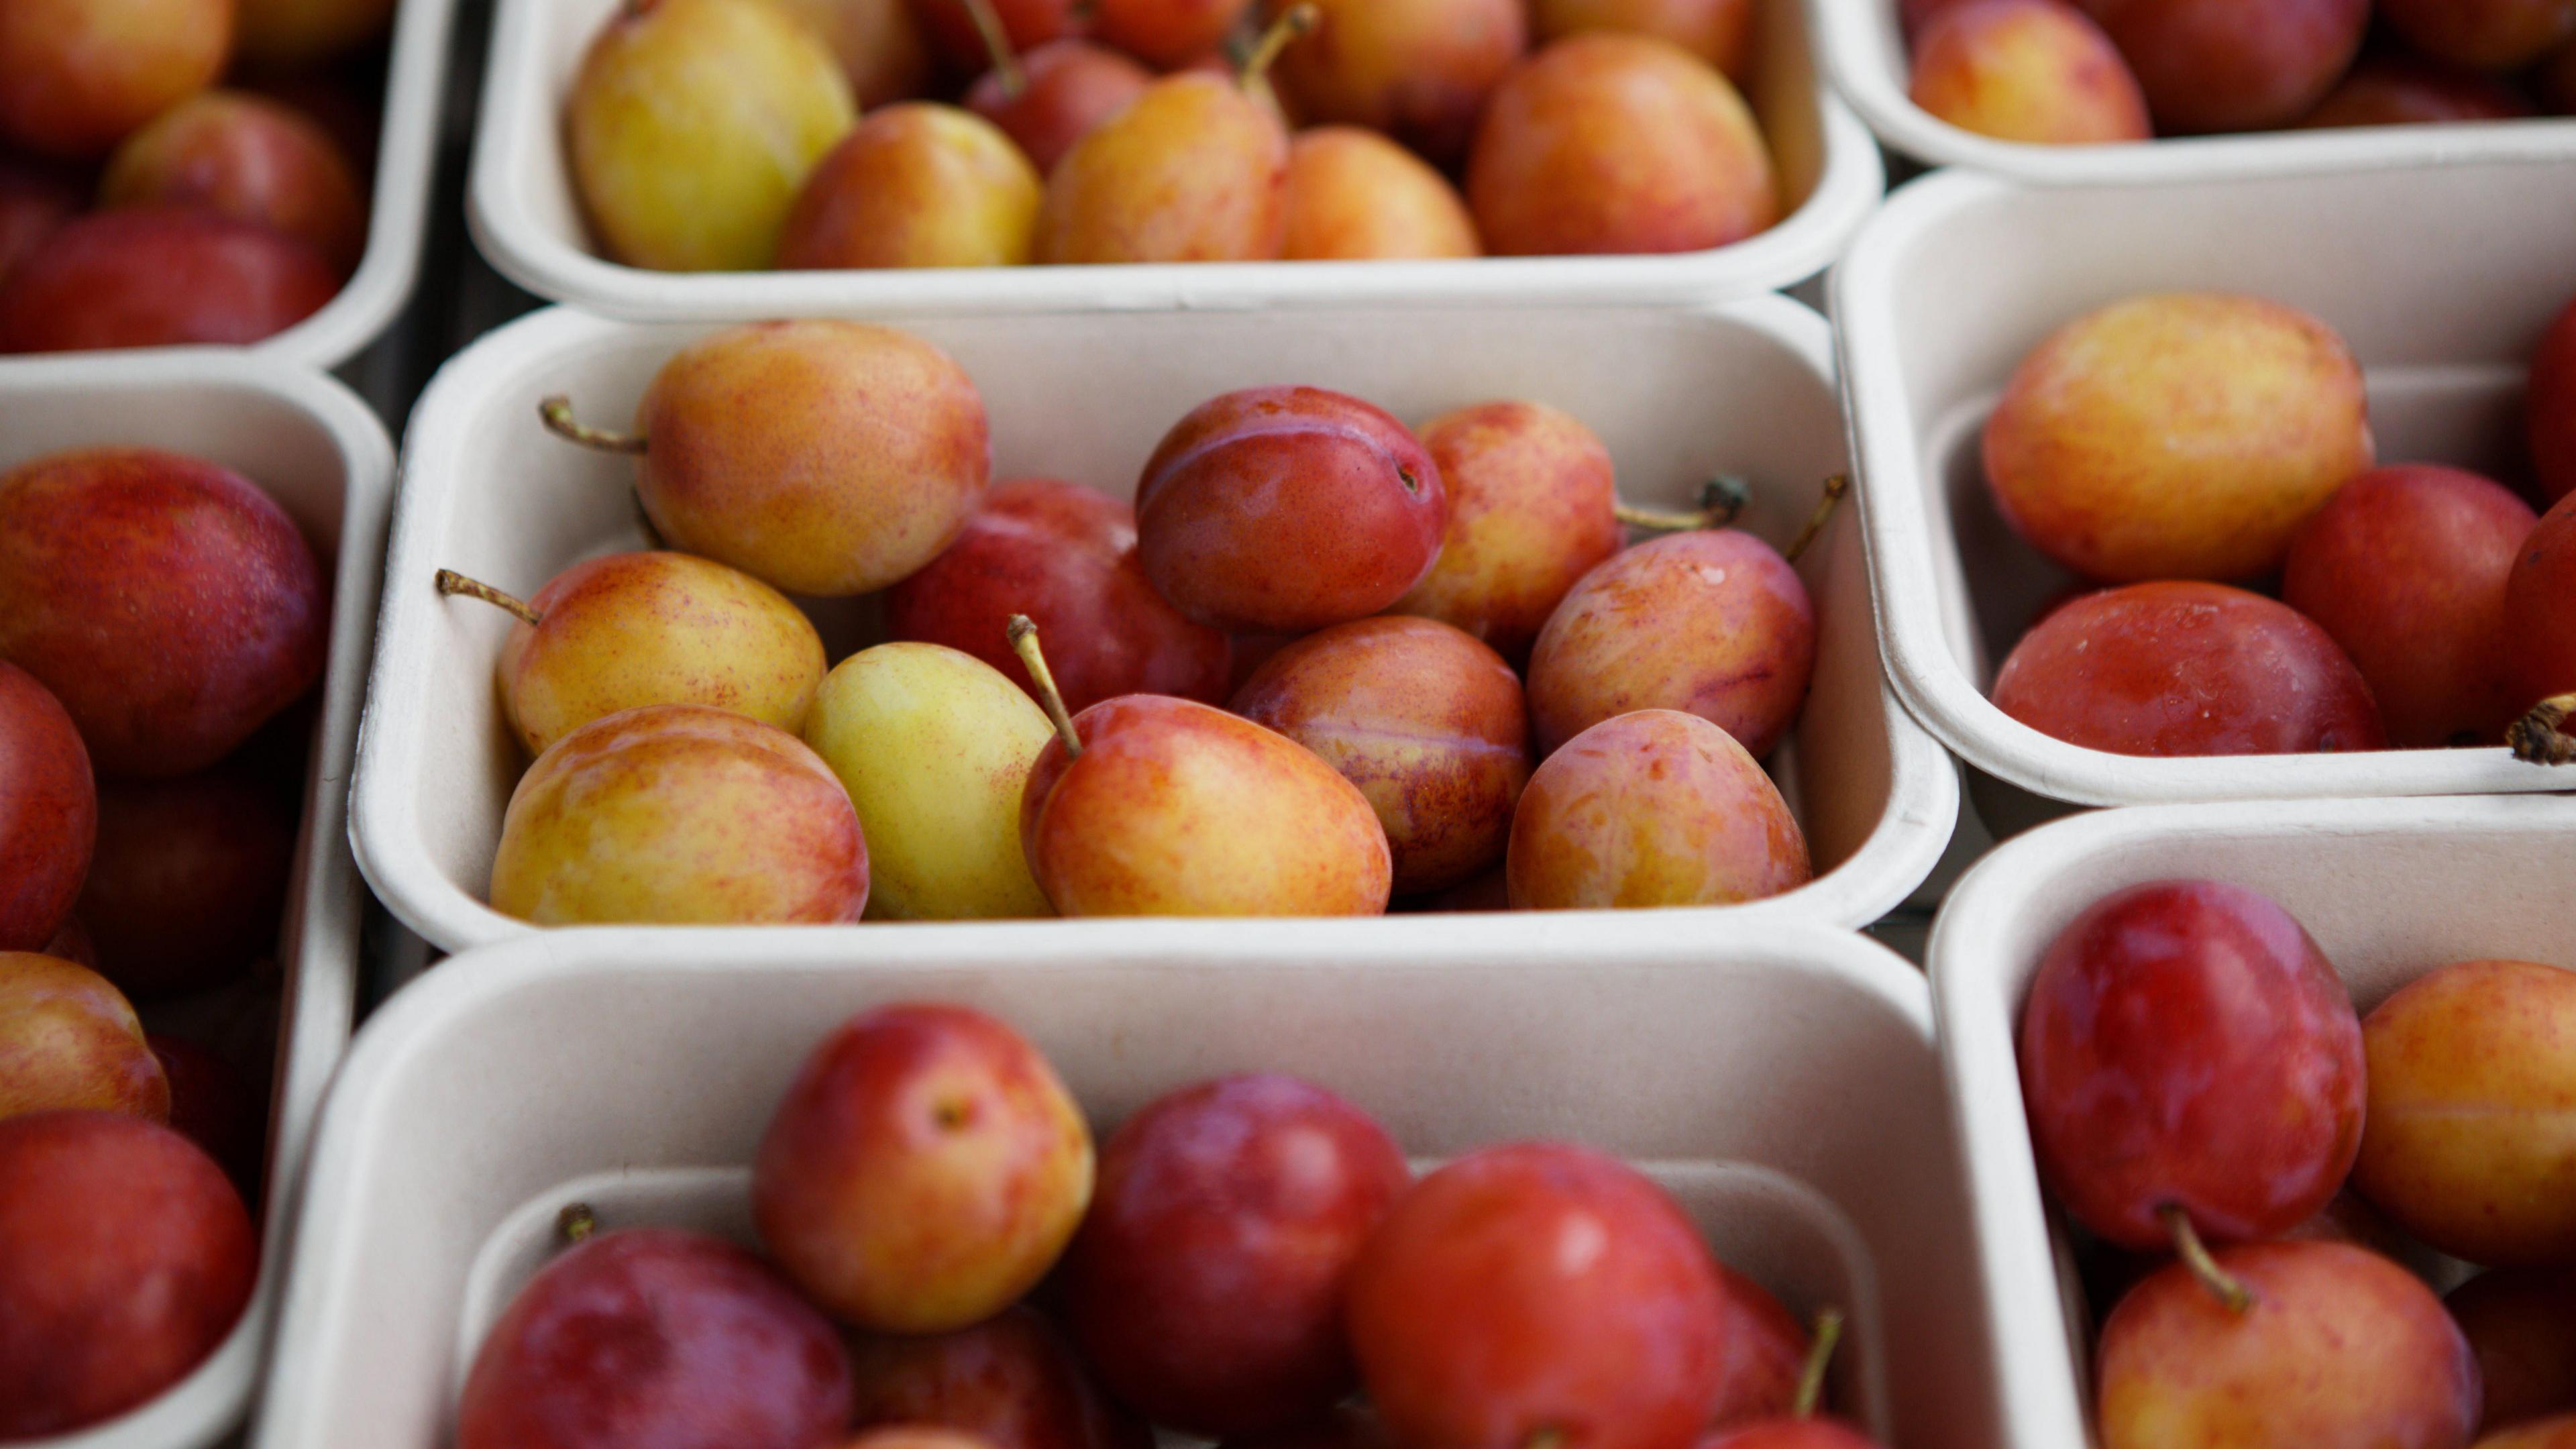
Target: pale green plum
(934, 746)
(693, 123)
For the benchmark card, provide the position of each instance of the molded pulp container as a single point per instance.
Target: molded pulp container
(397, 213)
(318, 450)
(527, 219)
(1677, 396)
(1783, 1083)
(2441, 277)
(1865, 52)
(2391, 889)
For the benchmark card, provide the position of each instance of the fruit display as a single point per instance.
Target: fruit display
(2273, 1188)
(742, 135)
(178, 172)
(1320, 666)
(2098, 72)
(1235, 1261)
(164, 620)
(2261, 580)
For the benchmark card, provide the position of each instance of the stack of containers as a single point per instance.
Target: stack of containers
(2428, 249)
(270, 413)
(1766, 1062)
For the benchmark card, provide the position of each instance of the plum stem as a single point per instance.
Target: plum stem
(1811, 1374)
(556, 412)
(2541, 737)
(451, 583)
(2195, 1256)
(1287, 30)
(1835, 488)
(997, 44)
(576, 1222)
(1023, 632)
(1720, 500)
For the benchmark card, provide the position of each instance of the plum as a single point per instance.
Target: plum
(1056, 95)
(653, 1338)
(33, 201)
(1537, 1292)
(168, 603)
(2183, 669)
(69, 1041)
(1429, 723)
(2550, 407)
(160, 276)
(2405, 568)
(1010, 1381)
(1207, 1281)
(916, 185)
(215, 1105)
(2395, 88)
(250, 158)
(1766, 1353)
(1354, 195)
(77, 75)
(1532, 508)
(2189, 1059)
(2115, 452)
(924, 1170)
(880, 44)
(2492, 35)
(126, 1258)
(2234, 65)
(2521, 1324)
(1166, 33)
(1194, 169)
(1713, 622)
(48, 812)
(2540, 610)
(188, 887)
(2027, 70)
(1720, 32)
(1026, 24)
(1417, 70)
(1655, 808)
(2472, 1072)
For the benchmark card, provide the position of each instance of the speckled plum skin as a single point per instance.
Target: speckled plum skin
(2472, 1078)
(2540, 607)
(77, 75)
(125, 1259)
(1655, 808)
(1537, 1288)
(48, 812)
(2405, 568)
(2233, 65)
(677, 814)
(1613, 144)
(2185, 1043)
(1711, 622)
(1065, 556)
(1531, 499)
(188, 886)
(160, 276)
(917, 184)
(168, 603)
(1192, 170)
(656, 627)
(1288, 508)
(2112, 453)
(1355, 195)
(2395, 88)
(2342, 1349)
(1011, 1381)
(653, 1338)
(2180, 669)
(2027, 70)
(1207, 1282)
(924, 1170)
(1072, 86)
(1418, 70)
(1179, 808)
(1426, 721)
(870, 452)
(69, 1041)
(2519, 1325)
(249, 157)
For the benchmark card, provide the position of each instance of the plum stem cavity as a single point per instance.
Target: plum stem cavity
(556, 412)
(1023, 634)
(2541, 737)
(451, 583)
(2195, 1256)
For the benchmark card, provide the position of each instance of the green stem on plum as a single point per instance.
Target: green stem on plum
(997, 44)
(2541, 737)
(1811, 1374)
(2195, 1256)
(452, 583)
(1720, 500)
(1023, 632)
(576, 1222)
(557, 415)
(1835, 488)
(1287, 30)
